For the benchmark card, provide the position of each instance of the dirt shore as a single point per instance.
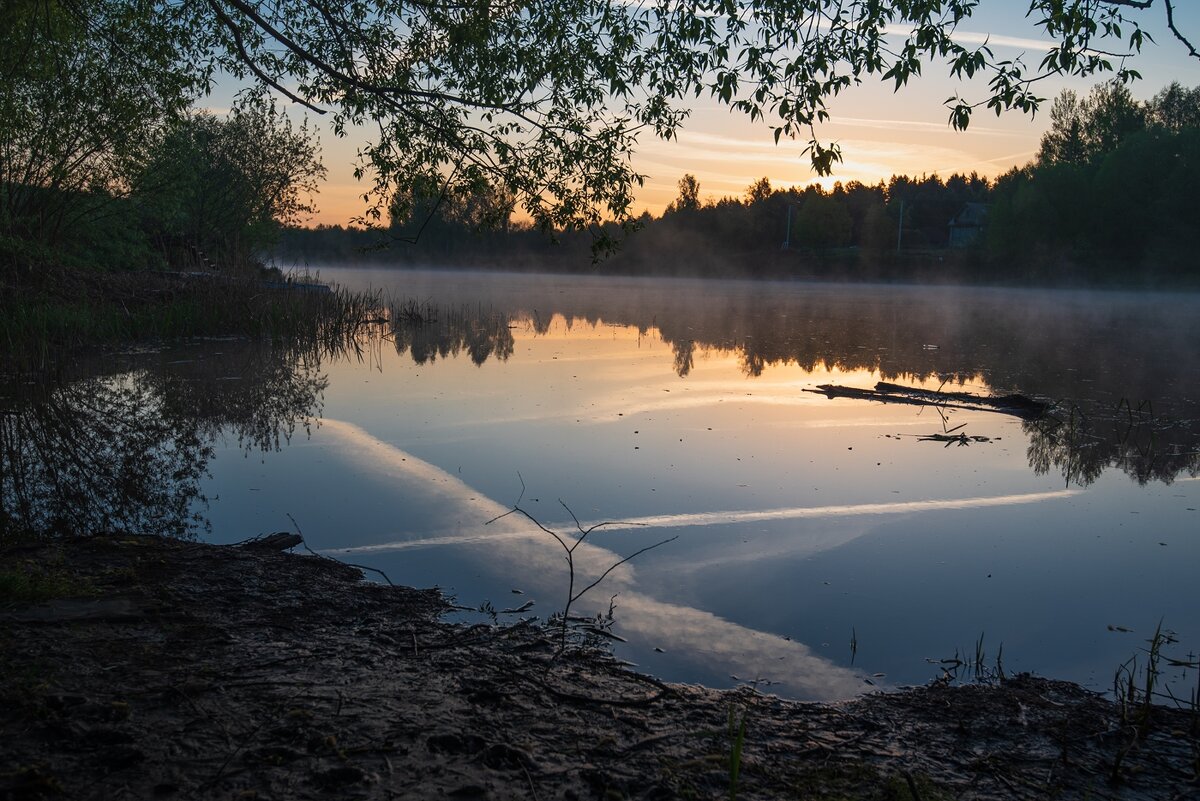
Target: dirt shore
(143, 668)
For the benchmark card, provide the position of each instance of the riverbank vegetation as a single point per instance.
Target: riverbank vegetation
(126, 213)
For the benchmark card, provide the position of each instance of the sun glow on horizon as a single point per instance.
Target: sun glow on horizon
(881, 132)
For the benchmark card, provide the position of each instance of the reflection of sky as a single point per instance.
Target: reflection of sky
(799, 518)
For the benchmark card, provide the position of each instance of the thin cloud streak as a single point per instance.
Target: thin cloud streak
(732, 517)
(850, 510)
(976, 38)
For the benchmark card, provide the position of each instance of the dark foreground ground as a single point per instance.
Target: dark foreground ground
(156, 669)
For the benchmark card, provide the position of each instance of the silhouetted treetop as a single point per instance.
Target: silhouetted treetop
(547, 100)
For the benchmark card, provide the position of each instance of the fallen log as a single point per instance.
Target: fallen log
(1013, 404)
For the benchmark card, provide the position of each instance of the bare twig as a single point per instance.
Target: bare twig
(340, 562)
(569, 550)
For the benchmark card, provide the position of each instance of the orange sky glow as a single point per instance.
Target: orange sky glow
(881, 133)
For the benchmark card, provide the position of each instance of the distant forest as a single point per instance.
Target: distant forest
(1109, 199)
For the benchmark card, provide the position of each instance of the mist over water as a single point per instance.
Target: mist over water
(679, 406)
(684, 408)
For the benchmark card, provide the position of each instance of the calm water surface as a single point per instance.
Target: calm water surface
(678, 409)
(802, 523)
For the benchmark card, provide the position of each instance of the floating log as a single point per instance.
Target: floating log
(1013, 404)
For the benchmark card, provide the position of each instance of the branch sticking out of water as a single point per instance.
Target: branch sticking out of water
(569, 550)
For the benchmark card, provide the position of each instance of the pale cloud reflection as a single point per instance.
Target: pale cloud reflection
(791, 667)
(514, 546)
(847, 510)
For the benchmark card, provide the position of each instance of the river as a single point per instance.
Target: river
(816, 547)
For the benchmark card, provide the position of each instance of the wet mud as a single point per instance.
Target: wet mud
(164, 669)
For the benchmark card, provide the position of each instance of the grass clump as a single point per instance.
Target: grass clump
(26, 585)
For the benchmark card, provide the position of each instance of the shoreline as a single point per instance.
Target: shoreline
(139, 667)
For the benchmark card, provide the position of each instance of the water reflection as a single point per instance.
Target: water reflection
(99, 454)
(514, 546)
(124, 445)
(1080, 447)
(1099, 369)
(428, 332)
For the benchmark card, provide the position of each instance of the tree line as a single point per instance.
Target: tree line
(541, 103)
(1111, 192)
(1107, 199)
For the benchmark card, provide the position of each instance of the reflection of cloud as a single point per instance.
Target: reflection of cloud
(745, 652)
(810, 541)
(517, 547)
(848, 510)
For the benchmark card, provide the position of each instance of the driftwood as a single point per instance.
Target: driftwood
(884, 392)
(279, 541)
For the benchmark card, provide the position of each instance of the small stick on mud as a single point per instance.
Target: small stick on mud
(300, 534)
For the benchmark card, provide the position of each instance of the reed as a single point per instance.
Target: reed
(41, 326)
(737, 743)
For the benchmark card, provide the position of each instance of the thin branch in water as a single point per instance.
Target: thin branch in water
(572, 595)
(304, 542)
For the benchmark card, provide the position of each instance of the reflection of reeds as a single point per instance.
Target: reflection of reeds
(976, 666)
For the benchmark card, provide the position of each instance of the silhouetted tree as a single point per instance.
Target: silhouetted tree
(223, 187)
(1083, 131)
(1175, 108)
(689, 195)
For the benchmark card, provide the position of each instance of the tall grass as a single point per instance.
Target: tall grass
(39, 326)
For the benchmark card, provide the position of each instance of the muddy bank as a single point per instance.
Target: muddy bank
(144, 668)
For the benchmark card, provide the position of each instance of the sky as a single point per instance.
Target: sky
(881, 132)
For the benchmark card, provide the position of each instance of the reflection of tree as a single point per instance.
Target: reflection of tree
(99, 455)
(126, 451)
(685, 352)
(1083, 349)
(255, 393)
(1081, 447)
(432, 334)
